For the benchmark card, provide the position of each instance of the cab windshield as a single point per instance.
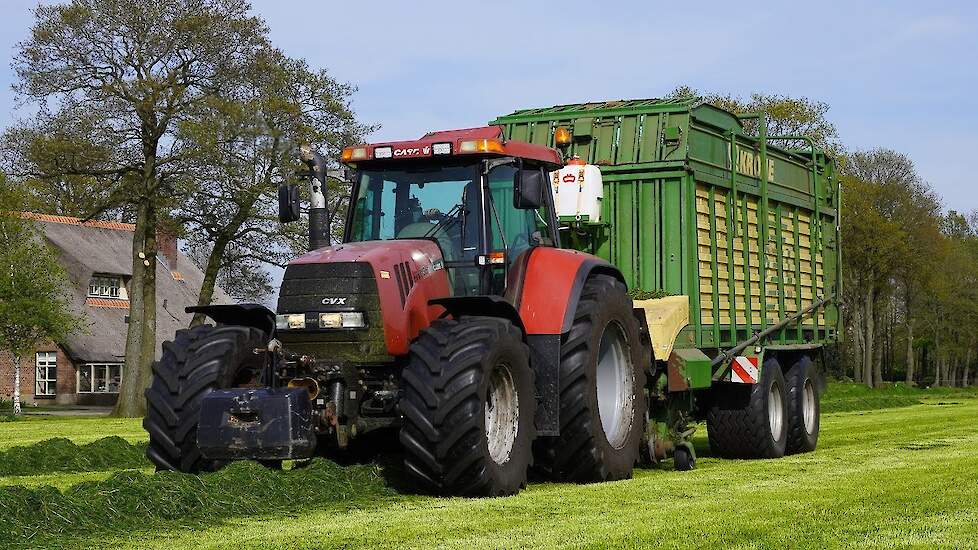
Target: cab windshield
(445, 203)
(436, 202)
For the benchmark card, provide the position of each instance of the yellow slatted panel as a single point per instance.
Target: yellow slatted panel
(703, 252)
(807, 262)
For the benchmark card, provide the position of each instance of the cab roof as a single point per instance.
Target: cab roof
(484, 140)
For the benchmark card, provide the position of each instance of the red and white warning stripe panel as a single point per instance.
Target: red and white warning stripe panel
(743, 370)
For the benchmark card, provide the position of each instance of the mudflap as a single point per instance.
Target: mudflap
(256, 424)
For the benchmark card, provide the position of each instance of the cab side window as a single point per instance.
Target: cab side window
(511, 229)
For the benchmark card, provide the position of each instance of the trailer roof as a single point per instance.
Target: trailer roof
(614, 107)
(704, 112)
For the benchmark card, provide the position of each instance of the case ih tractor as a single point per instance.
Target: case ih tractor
(452, 315)
(447, 313)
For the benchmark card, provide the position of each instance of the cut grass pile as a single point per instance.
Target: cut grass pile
(62, 455)
(63, 480)
(80, 430)
(129, 500)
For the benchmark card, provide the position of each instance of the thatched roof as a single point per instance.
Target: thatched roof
(99, 247)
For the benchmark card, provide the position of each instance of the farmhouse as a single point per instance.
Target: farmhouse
(86, 369)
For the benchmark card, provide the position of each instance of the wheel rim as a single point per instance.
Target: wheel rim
(775, 410)
(614, 386)
(808, 406)
(502, 414)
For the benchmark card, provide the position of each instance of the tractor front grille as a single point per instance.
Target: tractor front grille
(331, 287)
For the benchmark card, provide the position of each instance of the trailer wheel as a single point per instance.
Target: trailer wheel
(750, 421)
(602, 397)
(197, 361)
(803, 406)
(683, 460)
(468, 408)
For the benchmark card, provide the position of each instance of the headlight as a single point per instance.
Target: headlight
(290, 321)
(353, 319)
(294, 321)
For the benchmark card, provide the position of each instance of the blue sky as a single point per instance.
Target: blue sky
(897, 74)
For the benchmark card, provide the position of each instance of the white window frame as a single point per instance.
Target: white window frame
(106, 286)
(93, 370)
(44, 361)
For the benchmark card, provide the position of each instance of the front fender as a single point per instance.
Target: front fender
(246, 315)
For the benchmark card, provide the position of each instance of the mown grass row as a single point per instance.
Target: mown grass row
(62, 455)
(129, 500)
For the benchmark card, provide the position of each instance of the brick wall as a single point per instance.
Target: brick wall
(66, 378)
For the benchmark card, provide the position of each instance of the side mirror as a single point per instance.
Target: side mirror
(288, 203)
(528, 187)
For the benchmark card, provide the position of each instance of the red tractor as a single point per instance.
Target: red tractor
(450, 313)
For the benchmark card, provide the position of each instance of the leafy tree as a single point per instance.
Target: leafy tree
(129, 72)
(245, 146)
(58, 159)
(33, 292)
(889, 223)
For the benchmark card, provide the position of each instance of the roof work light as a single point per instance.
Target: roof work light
(562, 137)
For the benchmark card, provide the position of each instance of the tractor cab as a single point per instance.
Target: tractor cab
(482, 200)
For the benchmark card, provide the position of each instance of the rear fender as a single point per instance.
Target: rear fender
(546, 296)
(552, 283)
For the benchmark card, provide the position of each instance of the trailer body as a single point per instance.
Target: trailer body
(695, 207)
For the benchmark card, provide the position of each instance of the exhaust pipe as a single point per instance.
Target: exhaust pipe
(318, 219)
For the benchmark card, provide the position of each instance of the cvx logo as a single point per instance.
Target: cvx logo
(334, 301)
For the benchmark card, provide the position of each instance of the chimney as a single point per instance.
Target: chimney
(166, 245)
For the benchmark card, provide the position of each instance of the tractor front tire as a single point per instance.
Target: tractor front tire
(468, 408)
(750, 421)
(602, 390)
(197, 361)
(803, 406)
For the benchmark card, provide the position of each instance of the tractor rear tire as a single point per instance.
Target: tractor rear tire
(602, 390)
(468, 408)
(803, 406)
(197, 361)
(750, 421)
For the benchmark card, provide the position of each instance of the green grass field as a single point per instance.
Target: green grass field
(893, 478)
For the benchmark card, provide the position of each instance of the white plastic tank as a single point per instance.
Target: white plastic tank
(578, 191)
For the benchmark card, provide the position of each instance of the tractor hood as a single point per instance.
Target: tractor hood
(390, 281)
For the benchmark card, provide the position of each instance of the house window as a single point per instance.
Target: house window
(105, 286)
(46, 375)
(99, 378)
